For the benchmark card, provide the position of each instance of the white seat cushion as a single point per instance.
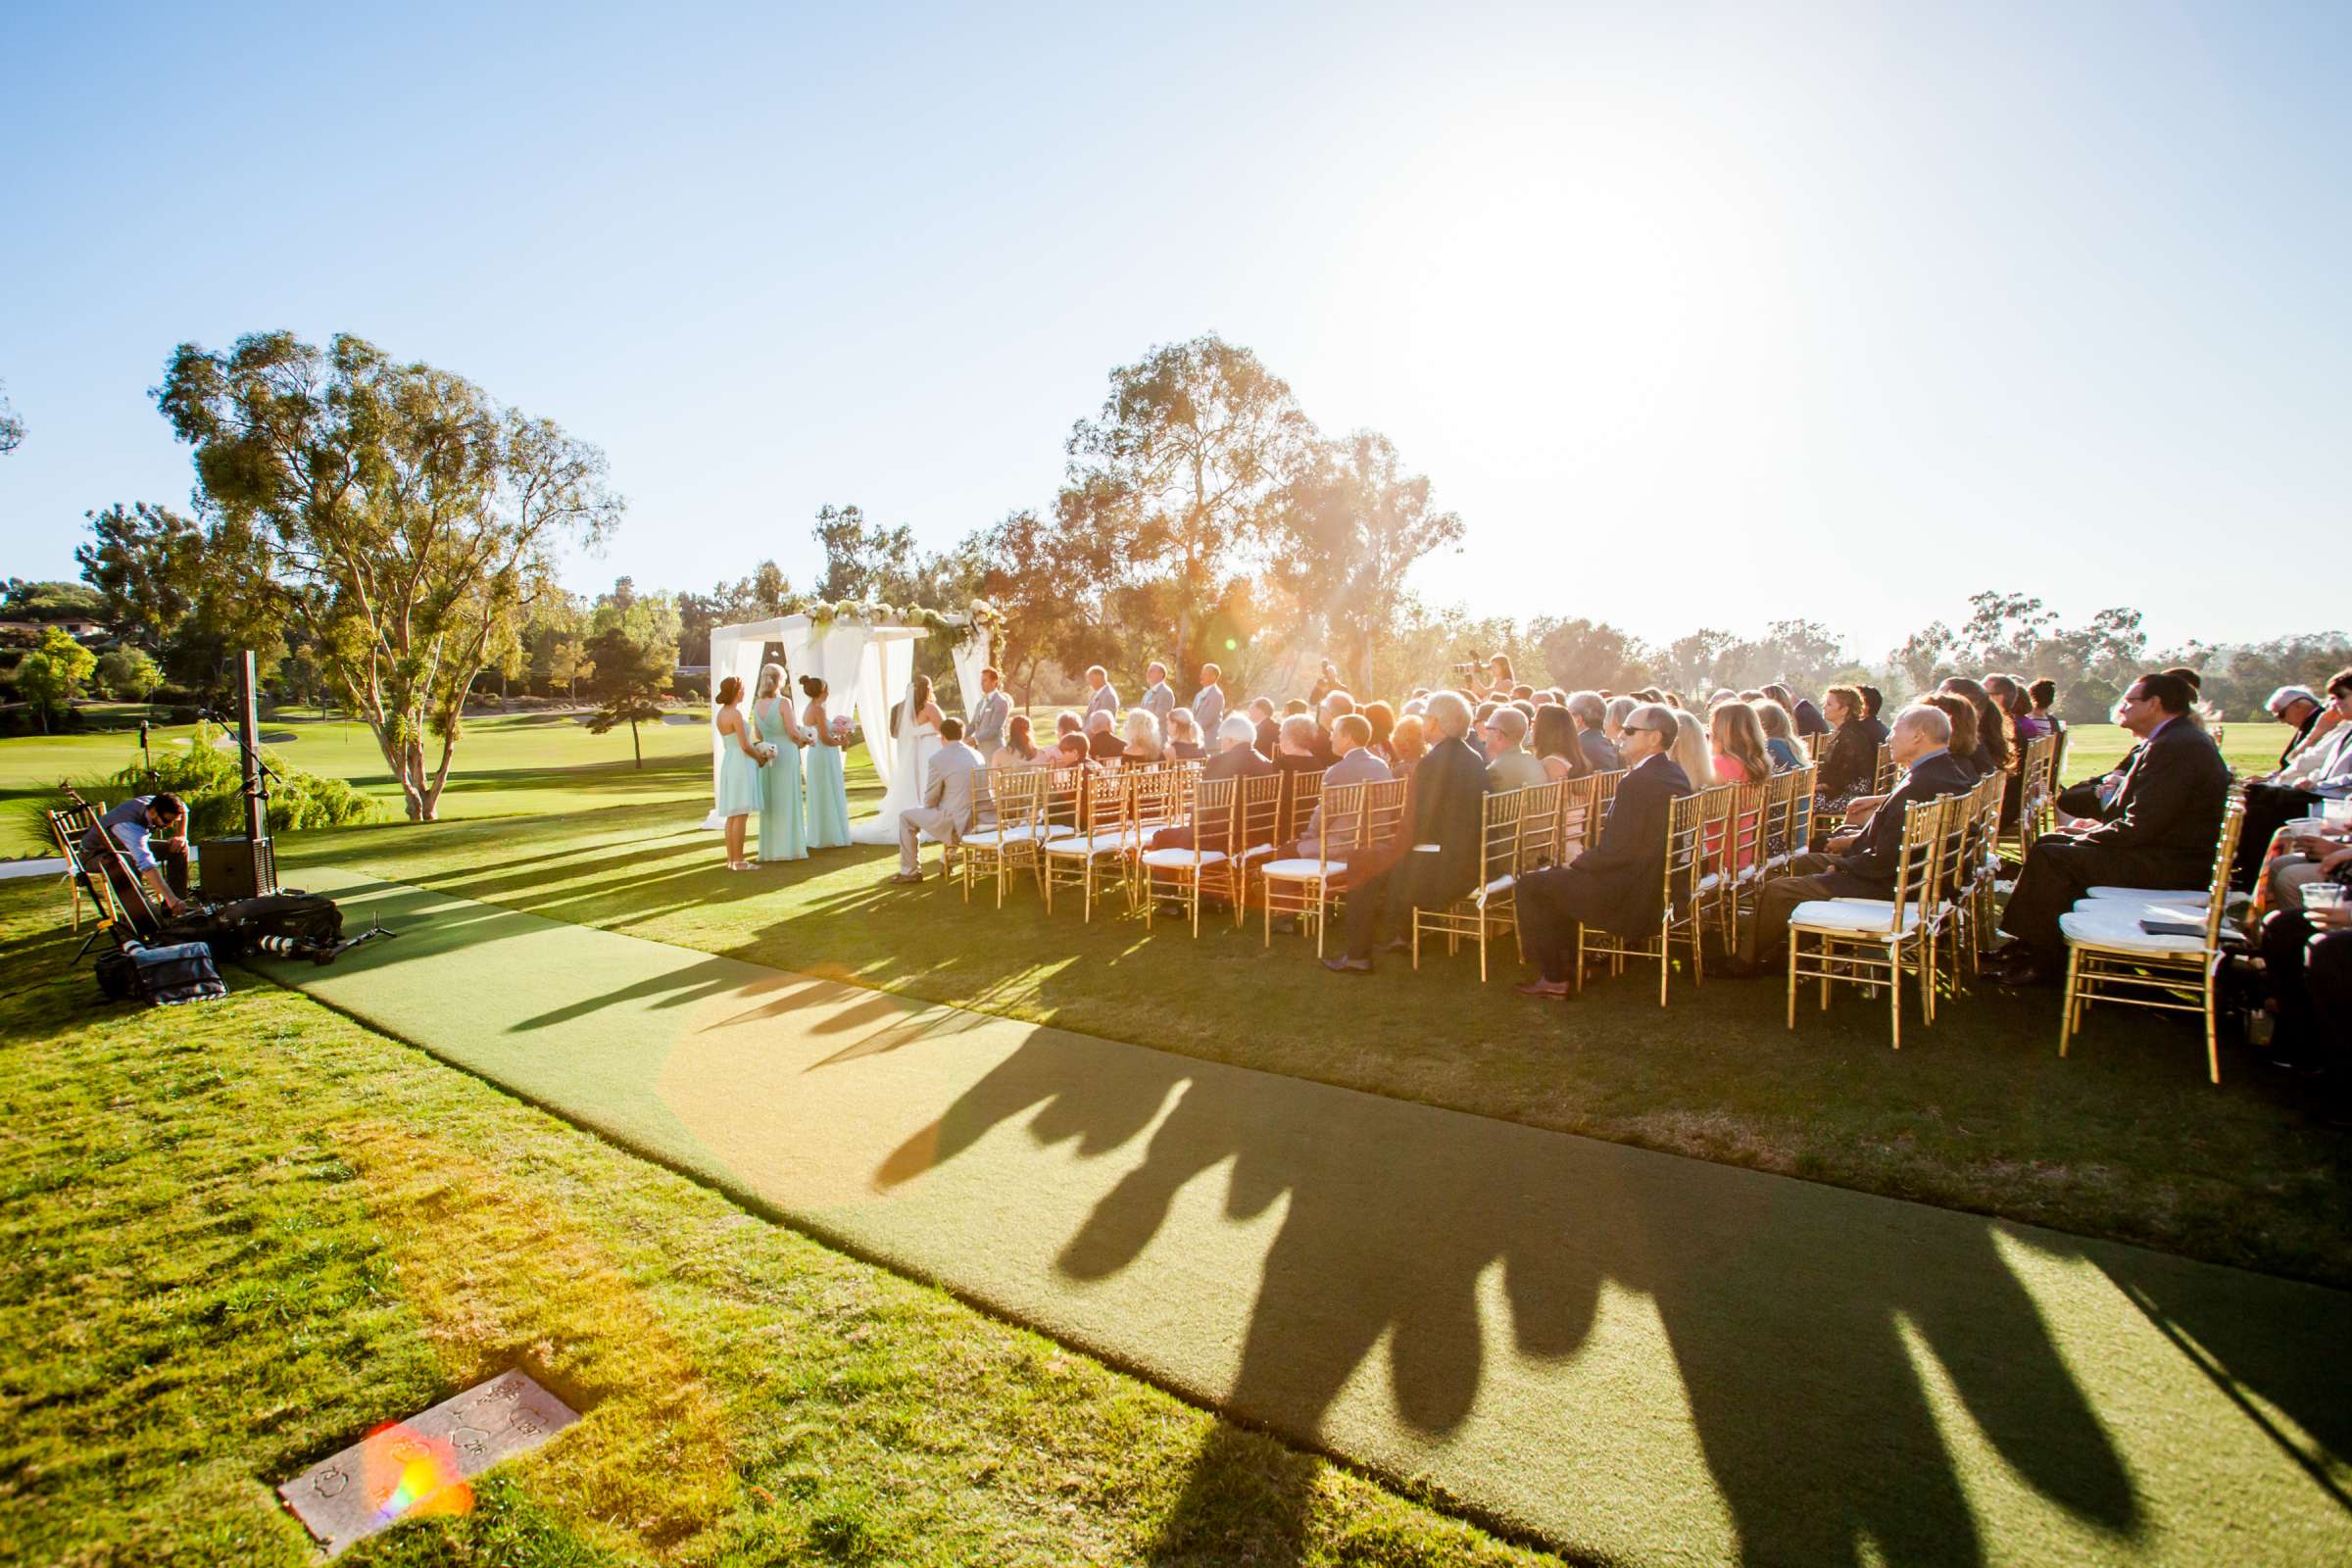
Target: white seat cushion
(1501, 884)
(1182, 857)
(1300, 870)
(2194, 898)
(989, 838)
(2117, 912)
(1257, 852)
(1093, 844)
(1873, 916)
(2124, 933)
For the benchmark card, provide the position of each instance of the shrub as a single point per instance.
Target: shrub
(212, 784)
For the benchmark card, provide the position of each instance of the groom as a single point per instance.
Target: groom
(948, 800)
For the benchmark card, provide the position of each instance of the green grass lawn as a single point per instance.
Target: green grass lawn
(241, 1235)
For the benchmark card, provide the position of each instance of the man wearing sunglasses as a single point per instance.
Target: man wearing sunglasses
(151, 831)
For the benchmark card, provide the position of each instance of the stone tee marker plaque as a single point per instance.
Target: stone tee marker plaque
(425, 1464)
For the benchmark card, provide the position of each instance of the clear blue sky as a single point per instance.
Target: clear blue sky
(1697, 314)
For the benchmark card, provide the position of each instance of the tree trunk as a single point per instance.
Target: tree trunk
(635, 744)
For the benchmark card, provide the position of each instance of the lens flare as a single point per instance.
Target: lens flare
(409, 1476)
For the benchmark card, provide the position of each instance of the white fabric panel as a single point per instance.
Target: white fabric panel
(969, 656)
(885, 665)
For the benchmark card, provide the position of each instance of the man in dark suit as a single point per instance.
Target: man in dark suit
(1860, 864)
(2158, 832)
(1617, 884)
(1591, 711)
(1806, 717)
(1449, 793)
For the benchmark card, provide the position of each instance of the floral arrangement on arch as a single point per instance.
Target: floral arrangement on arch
(983, 617)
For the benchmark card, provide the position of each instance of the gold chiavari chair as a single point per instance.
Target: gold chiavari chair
(1723, 810)
(2111, 955)
(1064, 806)
(1160, 797)
(2036, 804)
(1947, 899)
(1580, 816)
(1013, 834)
(1215, 807)
(1870, 942)
(1305, 886)
(1099, 844)
(1259, 816)
(1679, 912)
(1489, 908)
(1981, 908)
(1301, 790)
(1605, 795)
(1881, 779)
(1540, 826)
(1813, 744)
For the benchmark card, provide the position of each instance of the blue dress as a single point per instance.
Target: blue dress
(738, 778)
(783, 824)
(828, 799)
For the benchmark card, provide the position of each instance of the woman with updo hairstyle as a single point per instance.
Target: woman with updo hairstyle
(828, 792)
(740, 759)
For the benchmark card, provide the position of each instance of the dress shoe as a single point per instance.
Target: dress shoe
(1397, 945)
(1544, 989)
(1349, 966)
(908, 877)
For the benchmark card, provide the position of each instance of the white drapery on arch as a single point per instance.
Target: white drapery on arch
(866, 666)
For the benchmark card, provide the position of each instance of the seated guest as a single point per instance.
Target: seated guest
(1872, 725)
(1849, 758)
(2306, 858)
(2159, 832)
(1996, 742)
(1329, 708)
(1524, 693)
(1350, 737)
(1555, 746)
(1806, 718)
(1508, 764)
(1068, 724)
(1261, 716)
(1735, 737)
(152, 833)
(1018, 750)
(1861, 864)
(2043, 694)
(1591, 714)
(1295, 752)
(2298, 709)
(1967, 746)
(1480, 717)
(1449, 793)
(1612, 725)
(2317, 772)
(1780, 743)
(1406, 743)
(1065, 801)
(1141, 747)
(1103, 742)
(2010, 693)
(1238, 757)
(1616, 884)
(951, 800)
(1690, 749)
(1383, 719)
(1297, 705)
(2307, 964)
(1183, 737)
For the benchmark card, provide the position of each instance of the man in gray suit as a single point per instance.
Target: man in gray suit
(1208, 703)
(1102, 697)
(948, 800)
(989, 714)
(1158, 696)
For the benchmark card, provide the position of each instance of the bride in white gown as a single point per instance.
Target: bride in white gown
(915, 724)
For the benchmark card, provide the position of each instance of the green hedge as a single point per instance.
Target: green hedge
(210, 780)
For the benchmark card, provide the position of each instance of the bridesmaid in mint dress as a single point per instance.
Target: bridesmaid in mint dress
(828, 794)
(738, 770)
(783, 824)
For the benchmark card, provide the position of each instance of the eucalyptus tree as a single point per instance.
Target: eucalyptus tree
(402, 520)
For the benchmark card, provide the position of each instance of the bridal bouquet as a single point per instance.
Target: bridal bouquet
(767, 751)
(841, 728)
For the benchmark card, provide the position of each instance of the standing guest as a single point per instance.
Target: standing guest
(1778, 743)
(1690, 749)
(1143, 746)
(1018, 750)
(2159, 833)
(1849, 759)
(1499, 679)
(1101, 696)
(1103, 742)
(1862, 864)
(1508, 764)
(949, 798)
(1326, 681)
(1872, 725)
(1160, 698)
(1555, 746)
(1208, 703)
(828, 793)
(152, 832)
(1261, 717)
(1448, 791)
(1617, 883)
(1183, 737)
(984, 732)
(739, 765)
(783, 801)
(1383, 719)
(1592, 711)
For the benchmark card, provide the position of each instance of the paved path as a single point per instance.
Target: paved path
(1628, 1355)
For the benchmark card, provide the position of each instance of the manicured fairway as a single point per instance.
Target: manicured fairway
(1628, 1355)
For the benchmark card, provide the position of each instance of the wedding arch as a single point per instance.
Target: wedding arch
(865, 654)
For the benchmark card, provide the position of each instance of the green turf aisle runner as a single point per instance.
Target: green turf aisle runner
(1632, 1355)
